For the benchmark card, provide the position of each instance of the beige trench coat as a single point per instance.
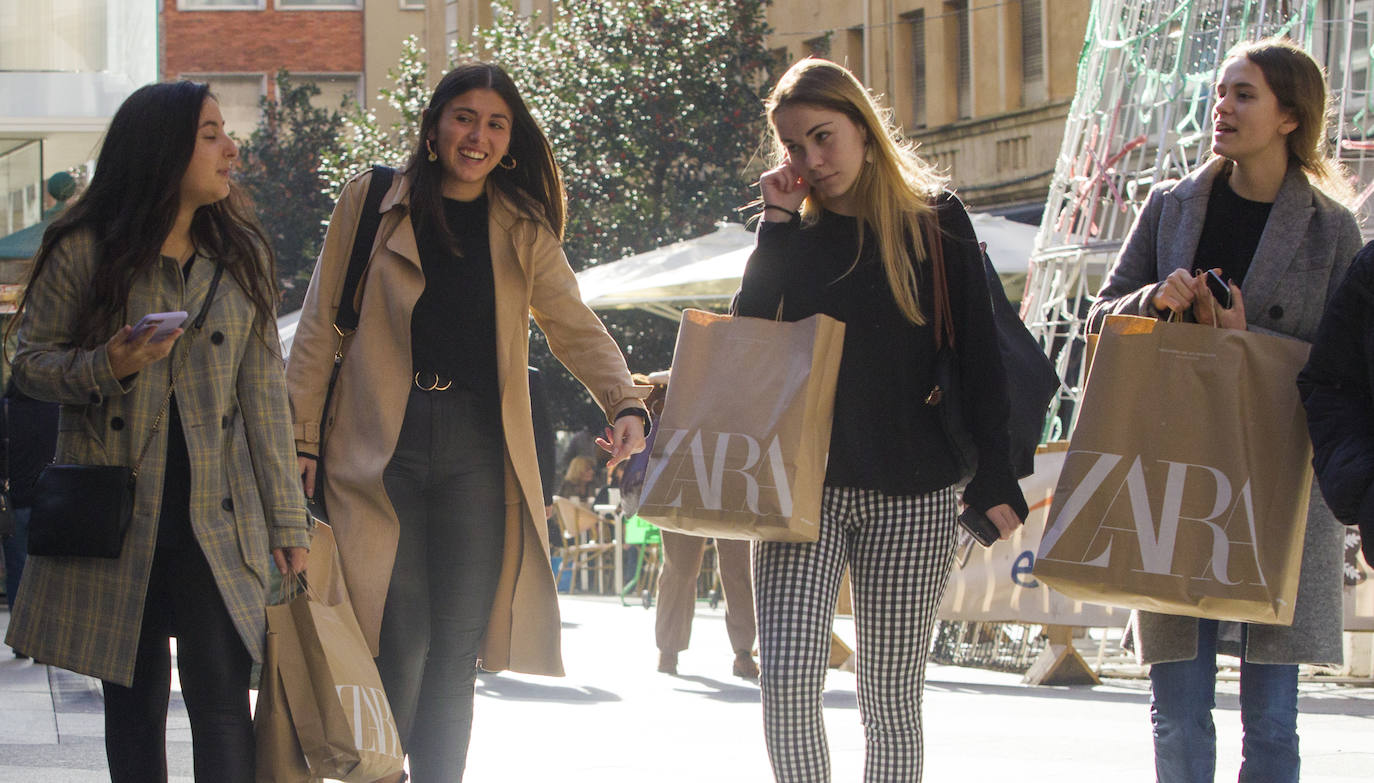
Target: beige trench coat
(85, 613)
(531, 276)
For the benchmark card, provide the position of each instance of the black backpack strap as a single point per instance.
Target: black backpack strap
(346, 320)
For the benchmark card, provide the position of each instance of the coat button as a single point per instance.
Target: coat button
(224, 422)
(95, 398)
(116, 423)
(217, 338)
(227, 504)
(1276, 312)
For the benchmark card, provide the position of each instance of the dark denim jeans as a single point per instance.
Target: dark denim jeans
(446, 481)
(1182, 695)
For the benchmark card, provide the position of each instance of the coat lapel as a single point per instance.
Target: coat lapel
(400, 238)
(1278, 250)
(1191, 196)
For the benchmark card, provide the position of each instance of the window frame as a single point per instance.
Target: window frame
(286, 6)
(191, 6)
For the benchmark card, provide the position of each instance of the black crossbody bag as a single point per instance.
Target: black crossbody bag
(346, 317)
(85, 510)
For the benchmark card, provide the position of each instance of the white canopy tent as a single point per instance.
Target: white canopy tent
(706, 271)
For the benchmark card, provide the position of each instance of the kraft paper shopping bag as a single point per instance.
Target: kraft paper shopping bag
(1186, 482)
(740, 451)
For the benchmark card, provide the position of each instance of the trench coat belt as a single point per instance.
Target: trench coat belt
(426, 380)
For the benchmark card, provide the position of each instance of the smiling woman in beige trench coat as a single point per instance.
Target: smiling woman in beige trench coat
(479, 149)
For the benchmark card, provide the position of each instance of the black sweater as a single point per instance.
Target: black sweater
(884, 437)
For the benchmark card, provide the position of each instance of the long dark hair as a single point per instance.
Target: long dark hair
(534, 185)
(131, 205)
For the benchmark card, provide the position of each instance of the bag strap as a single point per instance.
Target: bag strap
(181, 365)
(346, 319)
(944, 319)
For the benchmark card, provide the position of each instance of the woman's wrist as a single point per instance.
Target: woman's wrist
(776, 213)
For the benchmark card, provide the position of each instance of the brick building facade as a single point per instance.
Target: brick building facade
(239, 45)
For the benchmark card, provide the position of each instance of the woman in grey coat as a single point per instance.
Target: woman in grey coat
(1256, 214)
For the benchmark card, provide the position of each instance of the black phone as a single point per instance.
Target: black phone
(1220, 290)
(979, 526)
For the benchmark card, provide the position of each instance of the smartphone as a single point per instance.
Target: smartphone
(1220, 290)
(979, 526)
(162, 324)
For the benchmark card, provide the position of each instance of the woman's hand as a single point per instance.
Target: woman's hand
(1204, 304)
(625, 439)
(782, 187)
(1176, 293)
(307, 466)
(291, 559)
(128, 355)
(1005, 519)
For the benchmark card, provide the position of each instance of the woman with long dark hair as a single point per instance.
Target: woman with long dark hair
(432, 479)
(161, 228)
(1260, 213)
(851, 218)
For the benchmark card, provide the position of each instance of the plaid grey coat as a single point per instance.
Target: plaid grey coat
(85, 614)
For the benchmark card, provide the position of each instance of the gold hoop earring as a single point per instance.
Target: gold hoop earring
(432, 156)
(513, 162)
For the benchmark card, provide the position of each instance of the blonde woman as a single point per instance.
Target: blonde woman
(847, 222)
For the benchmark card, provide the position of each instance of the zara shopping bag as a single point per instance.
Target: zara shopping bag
(1186, 482)
(334, 695)
(740, 450)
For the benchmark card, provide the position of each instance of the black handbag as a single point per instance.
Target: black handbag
(346, 316)
(1031, 379)
(85, 510)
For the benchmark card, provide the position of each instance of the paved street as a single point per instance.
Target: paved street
(613, 718)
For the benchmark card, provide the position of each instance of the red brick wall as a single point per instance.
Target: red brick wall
(260, 41)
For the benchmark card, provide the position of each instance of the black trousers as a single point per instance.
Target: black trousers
(446, 482)
(183, 601)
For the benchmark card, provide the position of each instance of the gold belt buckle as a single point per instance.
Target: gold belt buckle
(433, 386)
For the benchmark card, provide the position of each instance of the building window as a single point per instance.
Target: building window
(818, 46)
(1013, 154)
(963, 86)
(943, 162)
(238, 95)
(319, 5)
(1033, 86)
(21, 184)
(221, 5)
(413, 5)
(916, 20)
(334, 87)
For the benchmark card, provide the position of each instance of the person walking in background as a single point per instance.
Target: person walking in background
(677, 599)
(1337, 388)
(1258, 214)
(579, 481)
(849, 217)
(30, 438)
(201, 415)
(433, 483)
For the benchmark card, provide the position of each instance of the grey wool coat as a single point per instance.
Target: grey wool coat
(1303, 254)
(85, 614)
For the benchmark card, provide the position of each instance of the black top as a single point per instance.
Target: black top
(884, 437)
(1231, 231)
(174, 516)
(453, 327)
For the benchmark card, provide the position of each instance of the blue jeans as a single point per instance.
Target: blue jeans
(16, 550)
(1182, 695)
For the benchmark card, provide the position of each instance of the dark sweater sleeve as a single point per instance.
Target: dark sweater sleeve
(983, 378)
(1335, 389)
(765, 275)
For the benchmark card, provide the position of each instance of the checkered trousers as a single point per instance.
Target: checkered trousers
(898, 550)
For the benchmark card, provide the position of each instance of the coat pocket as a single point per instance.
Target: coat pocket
(244, 501)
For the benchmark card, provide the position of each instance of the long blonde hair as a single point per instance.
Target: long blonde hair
(896, 188)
